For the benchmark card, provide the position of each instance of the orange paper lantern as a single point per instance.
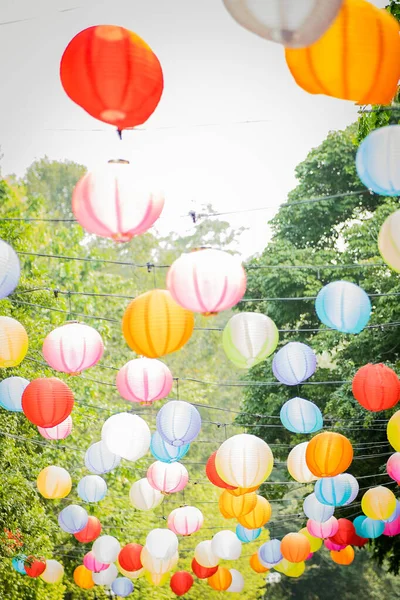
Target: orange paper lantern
(47, 401)
(239, 491)
(343, 557)
(328, 454)
(295, 547)
(83, 578)
(221, 580)
(256, 565)
(236, 506)
(260, 514)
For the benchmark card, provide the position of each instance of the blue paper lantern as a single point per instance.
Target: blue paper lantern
(122, 586)
(164, 452)
(354, 487)
(11, 390)
(73, 518)
(358, 521)
(333, 491)
(301, 416)
(395, 514)
(178, 423)
(247, 535)
(9, 269)
(378, 161)
(92, 488)
(294, 363)
(18, 563)
(99, 459)
(370, 528)
(269, 554)
(315, 510)
(343, 306)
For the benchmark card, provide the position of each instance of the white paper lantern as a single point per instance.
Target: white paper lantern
(162, 543)
(185, 520)
(106, 549)
(315, 510)
(99, 459)
(178, 422)
(244, 460)
(106, 577)
(167, 478)
(378, 160)
(53, 572)
(143, 496)
(226, 545)
(126, 435)
(297, 466)
(92, 488)
(237, 584)
(249, 338)
(204, 554)
(157, 566)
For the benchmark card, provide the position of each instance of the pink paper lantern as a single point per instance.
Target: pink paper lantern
(94, 565)
(114, 202)
(167, 478)
(393, 528)
(144, 380)
(332, 546)
(59, 432)
(207, 281)
(323, 530)
(185, 520)
(309, 557)
(393, 467)
(72, 348)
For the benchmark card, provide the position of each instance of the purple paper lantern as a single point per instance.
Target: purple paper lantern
(294, 363)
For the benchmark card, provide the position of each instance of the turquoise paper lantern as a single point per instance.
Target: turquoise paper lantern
(358, 521)
(18, 564)
(333, 491)
(343, 306)
(247, 535)
(11, 390)
(378, 161)
(165, 452)
(371, 528)
(301, 416)
(92, 488)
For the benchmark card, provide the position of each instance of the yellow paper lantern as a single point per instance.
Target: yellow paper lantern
(393, 431)
(13, 342)
(378, 503)
(54, 482)
(239, 491)
(315, 543)
(156, 578)
(290, 569)
(357, 58)
(244, 460)
(235, 506)
(221, 580)
(259, 516)
(83, 578)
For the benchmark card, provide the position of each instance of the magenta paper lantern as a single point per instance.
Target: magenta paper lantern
(392, 528)
(393, 466)
(167, 478)
(185, 520)
(323, 530)
(94, 565)
(207, 281)
(144, 380)
(309, 557)
(72, 348)
(332, 546)
(59, 432)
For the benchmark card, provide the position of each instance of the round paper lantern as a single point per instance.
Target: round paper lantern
(53, 572)
(89, 533)
(106, 549)
(92, 488)
(58, 432)
(129, 557)
(247, 535)
(378, 503)
(343, 306)
(54, 482)
(11, 390)
(122, 586)
(244, 460)
(158, 566)
(393, 466)
(221, 580)
(185, 520)
(156, 579)
(203, 572)
(207, 281)
(237, 584)
(301, 416)
(94, 565)
(355, 488)
(323, 530)
(333, 491)
(297, 466)
(315, 543)
(370, 75)
(181, 582)
(393, 528)
(73, 348)
(249, 338)
(34, 567)
(144, 380)
(162, 543)
(106, 577)
(10, 269)
(329, 454)
(376, 387)
(99, 459)
(376, 162)
(294, 363)
(370, 528)
(83, 578)
(167, 478)
(235, 506)
(290, 569)
(388, 239)
(47, 401)
(358, 541)
(204, 555)
(154, 324)
(329, 545)
(165, 452)
(226, 545)
(395, 513)
(345, 532)
(126, 435)
(213, 476)
(295, 547)
(178, 422)
(315, 510)
(13, 342)
(122, 86)
(393, 431)
(259, 516)
(143, 496)
(255, 564)
(18, 564)
(270, 554)
(73, 519)
(343, 557)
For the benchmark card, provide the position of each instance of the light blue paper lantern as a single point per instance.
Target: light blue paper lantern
(18, 564)
(164, 452)
(99, 459)
(301, 416)
(355, 488)
(269, 554)
(11, 390)
(92, 488)
(122, 586)
(333, 491)
(378, 161)
(358, 521)
(178, 423)
(9, 269)
(294, 363)
(315, 510)
(395, 514)
(73, 518)
(247, 535)
(343, 306)
(370, 528)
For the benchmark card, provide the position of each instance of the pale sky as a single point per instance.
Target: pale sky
(216, 74)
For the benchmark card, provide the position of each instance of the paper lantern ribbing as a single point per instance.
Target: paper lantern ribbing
(353, 485)
(99, 459)
(294, 363)
(144, 380)
(58, 432)
(376, 387)
(389, 239)
(46, 402)
(162, 543)
(178, 422)
(185, 520)
(18, 564)
(378, 503)
(249, 338)
(34, 567)
(343, 306)
(53, 572)
(107, 576)
(203, 572)
(323, 530)
(129, 557)
(295, 547)
(247, 535)
(237, 584)
(73, 519)
(370, 74)
(126, 435)
(371, 528)
(301, 416)
(393, 431)
(232, 507)
(54, 482)
(73, 348)
(226, 545)
(270, 554)
(343, 557)
(244, 460)
(106, 549)
(10, 269)
(315, 510)
(122, 586)
(181, 582)
(165, 452)
(393, 466)
(94, 565)
(154, 324)
(83, 577)
(11, 390)
(315, 543)
(204, 555)
(259, 516)
(167, 478)
(207, 281)
(13, 342)
(213, 476)
(329, 454)
(345, 532)
(89, 533)
(297, 466)
(122, 86)
(92, 488)
(143, 496)
(255, 564)
(221, 580)
(333, 491)
(358, 521)
(377, 162)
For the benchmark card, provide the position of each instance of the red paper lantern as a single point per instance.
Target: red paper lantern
(213, 476)
(47, 401)
(376, 387)
(90, 532)
(181, 582)
(358, 541)
(344, 534)
(129, 557)
(112, 74)
(203, 572)
(34, 567)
